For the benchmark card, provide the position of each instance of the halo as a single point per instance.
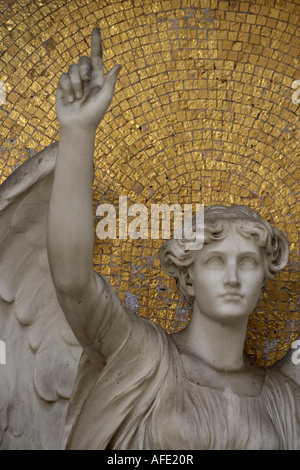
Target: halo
(203, 113)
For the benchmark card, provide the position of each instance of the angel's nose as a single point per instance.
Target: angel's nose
(231, 277)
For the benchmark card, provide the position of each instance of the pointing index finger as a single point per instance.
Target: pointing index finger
(97, 56)
(96, 48)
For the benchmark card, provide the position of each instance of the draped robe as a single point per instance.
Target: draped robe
(142, 399)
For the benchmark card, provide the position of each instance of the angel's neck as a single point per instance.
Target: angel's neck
(218, 344)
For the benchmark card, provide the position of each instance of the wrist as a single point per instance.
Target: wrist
(77, 132)
(76, 148)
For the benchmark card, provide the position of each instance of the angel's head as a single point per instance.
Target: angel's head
(226, 277)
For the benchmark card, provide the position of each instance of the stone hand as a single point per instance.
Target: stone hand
(84, 94)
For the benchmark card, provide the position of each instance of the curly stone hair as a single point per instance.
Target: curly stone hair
(174, 256)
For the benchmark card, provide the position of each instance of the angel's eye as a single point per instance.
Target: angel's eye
(214, 262)
(248, 262)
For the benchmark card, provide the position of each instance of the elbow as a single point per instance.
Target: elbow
(70, 278)
(71, 285)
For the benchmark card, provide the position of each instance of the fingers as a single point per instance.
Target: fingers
(75, 81)
(111, 77)
(85, 71)
(72, 85)
(64, 89)
(97, 57)
(85, 68)
(109, 85)
(87, 75)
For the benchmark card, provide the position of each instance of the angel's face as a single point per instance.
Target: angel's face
(226, 278)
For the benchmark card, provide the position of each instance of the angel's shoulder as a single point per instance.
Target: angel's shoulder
(124, 314)
(280, 381)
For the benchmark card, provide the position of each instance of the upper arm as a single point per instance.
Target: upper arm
(97, 318)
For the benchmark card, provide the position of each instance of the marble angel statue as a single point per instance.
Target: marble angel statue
(136, 386)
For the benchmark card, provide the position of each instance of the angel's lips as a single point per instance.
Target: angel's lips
(232, 296)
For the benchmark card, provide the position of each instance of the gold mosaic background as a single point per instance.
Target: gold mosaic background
(203, 113)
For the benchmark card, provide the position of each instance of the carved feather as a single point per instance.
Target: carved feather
(42, 353)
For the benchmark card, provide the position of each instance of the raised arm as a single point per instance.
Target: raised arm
(83, 96)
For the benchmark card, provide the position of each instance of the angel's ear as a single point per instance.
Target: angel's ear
(186, 281)
(281, 250)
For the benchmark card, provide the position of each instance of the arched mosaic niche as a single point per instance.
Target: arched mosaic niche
(203, 113)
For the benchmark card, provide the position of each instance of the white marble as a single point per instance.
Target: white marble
(136, 386)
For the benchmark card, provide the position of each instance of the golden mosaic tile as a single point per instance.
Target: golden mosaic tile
(202, 113)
